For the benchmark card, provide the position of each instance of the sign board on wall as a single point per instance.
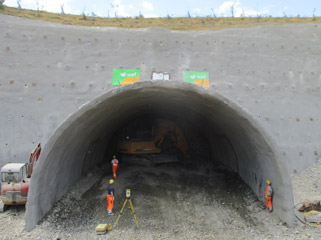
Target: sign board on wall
(160, 75)
(200, 78)
(125, 76)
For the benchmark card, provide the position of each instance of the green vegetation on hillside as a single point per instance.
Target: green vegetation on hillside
(177, 23)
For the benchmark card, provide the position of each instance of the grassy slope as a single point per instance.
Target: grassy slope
(180, 23)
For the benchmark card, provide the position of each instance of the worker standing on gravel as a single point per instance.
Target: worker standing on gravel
(114, 163)
(110, 197)
(268, 196)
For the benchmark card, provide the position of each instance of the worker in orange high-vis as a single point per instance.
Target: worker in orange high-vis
(114, 163)
(110, 197)
(268, 196)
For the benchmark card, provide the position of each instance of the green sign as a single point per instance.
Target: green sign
(125, 76)
(200, 78)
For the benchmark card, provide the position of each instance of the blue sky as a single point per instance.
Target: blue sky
(175, 8)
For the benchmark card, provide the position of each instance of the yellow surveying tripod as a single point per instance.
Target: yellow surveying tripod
(130, 206)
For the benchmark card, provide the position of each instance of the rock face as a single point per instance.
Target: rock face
(260, 115)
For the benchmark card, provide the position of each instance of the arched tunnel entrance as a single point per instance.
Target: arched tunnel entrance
(217, 132)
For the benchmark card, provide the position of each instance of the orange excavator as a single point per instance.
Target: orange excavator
(162, 129)
(168, 128)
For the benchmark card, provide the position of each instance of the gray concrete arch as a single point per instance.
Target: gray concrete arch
(233, 135)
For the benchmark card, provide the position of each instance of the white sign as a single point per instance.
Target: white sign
(160, 76)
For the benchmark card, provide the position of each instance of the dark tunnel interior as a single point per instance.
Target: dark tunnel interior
(216, 130)
(178, 138)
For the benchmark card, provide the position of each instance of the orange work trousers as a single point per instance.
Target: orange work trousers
(110, 203)
(114, 170)
(268, 202)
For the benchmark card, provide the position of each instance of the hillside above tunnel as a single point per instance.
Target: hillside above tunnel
(172, 23)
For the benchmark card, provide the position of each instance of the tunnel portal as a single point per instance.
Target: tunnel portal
(217, 131)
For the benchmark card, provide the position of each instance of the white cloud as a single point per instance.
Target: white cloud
(151, 15)
(226, 10)
(123, 11)
(197, 10)
(54, 6)
(226, 7)
(46, 5)
(118, 9)
(10, 3)
(148, 6)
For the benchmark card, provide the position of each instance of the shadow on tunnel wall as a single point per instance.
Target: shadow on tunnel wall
(233, 138)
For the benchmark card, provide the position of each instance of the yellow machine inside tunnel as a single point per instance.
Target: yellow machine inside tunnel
(162, 129)
(148, 146)
(137, 147)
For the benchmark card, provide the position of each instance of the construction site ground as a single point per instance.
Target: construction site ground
(171, 201)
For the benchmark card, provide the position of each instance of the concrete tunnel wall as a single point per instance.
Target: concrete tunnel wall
(63, 157)
(272, 73)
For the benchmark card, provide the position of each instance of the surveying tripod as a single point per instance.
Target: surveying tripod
(130, 206)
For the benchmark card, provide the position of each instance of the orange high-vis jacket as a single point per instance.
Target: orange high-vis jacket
(114, 162)
(268, 191)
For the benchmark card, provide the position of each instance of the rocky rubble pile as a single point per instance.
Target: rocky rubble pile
(307, 184)
(170, 203)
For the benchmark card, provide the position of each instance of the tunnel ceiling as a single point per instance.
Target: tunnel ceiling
(162, 101)
(232, 137)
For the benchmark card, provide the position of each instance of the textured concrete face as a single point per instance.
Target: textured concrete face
(261, 111)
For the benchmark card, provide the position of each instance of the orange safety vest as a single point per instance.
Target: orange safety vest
(268, 191)
(114, 162)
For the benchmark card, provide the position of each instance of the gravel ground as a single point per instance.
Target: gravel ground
(171, 202)
(307, 185)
